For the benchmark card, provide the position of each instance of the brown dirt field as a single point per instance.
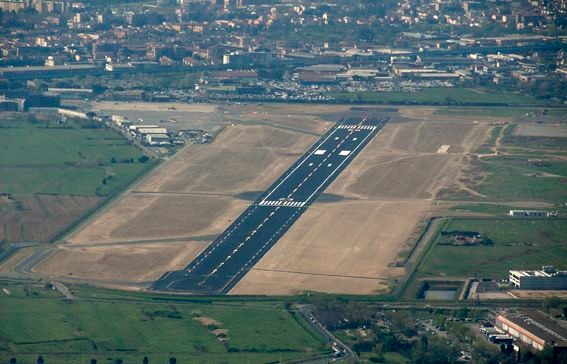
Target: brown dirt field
(417, 112)
(242, 158)
(538, 294)
(160, 216)
(41, 216)
(128, 262)
(285, 283)
(401, 162)
(344, 247)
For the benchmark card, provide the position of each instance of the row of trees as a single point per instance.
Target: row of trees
(145, 360)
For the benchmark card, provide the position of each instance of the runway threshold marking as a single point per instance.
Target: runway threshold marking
(300, 164)
(339, 166)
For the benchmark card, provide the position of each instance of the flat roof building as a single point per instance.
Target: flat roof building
(548, 278)
(530, 213)
(534, 329)
(146, 131)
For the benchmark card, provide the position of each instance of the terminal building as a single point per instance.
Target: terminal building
(534, 329)
(548, 278)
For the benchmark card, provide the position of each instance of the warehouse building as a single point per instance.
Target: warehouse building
(534, 329)
(548, 278)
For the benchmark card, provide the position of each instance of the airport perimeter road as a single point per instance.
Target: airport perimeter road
(227, 259)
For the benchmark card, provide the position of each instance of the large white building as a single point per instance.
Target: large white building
(548, 278)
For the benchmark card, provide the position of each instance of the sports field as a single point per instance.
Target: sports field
(38, 321)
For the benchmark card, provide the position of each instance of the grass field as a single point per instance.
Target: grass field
(518, 244)
(68, 159)
(36, 321)
(438, 95)
(53, 173)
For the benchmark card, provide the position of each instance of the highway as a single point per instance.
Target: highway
(228, 258)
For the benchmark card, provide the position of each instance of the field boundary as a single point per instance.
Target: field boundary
(124, 187)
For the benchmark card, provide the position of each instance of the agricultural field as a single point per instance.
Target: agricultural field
(37, 320)
(516, 244)
(438, 96)
(53, 172)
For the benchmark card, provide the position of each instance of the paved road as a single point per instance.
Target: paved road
(227, 259)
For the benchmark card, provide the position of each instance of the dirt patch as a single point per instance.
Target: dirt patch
(538, 294)
(118, 263)
(221, 334)
(38, 218)
(207, 321)
(141, 216)
(417, 112)
(242, 158)
(402, 162)
(286, 283)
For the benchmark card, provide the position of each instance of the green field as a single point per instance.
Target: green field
(509, 178)
(526, 169)
(74, 158)
(518, 244)
(35, 320)
(500, 112)
(437, 95)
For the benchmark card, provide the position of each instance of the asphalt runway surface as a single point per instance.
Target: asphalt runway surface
(228, 258)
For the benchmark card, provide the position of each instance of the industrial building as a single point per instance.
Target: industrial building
(11, 104)
(534, 329)
(548, 278)
(531, 213)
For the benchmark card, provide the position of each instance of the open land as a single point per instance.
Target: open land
(350, 240)
(520, 165)
(257, 229)
(36, 320)
(438, 95)
(517, 244)
(52, 173)
(191, 198)
(387, 190)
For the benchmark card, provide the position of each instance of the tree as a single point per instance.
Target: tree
(172, 360)
(143, 159)
(549, 303)
(13, 361)
(145, 360)
(93, 361)
(40, 360)
(91, 114)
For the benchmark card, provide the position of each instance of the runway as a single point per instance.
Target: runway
(227, 259)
